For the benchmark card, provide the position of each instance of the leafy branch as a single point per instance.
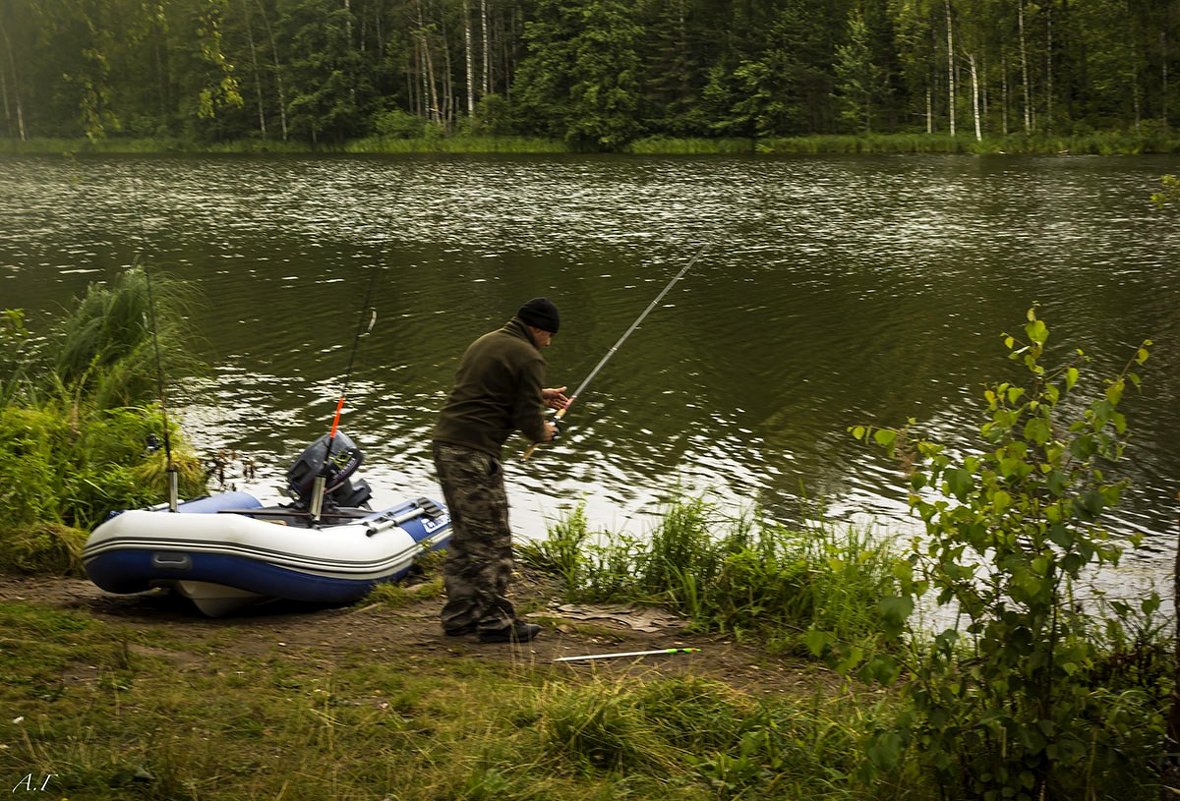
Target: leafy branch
(1000, 705)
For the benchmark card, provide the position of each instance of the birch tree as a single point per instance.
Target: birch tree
(10, 62)
(950, 66)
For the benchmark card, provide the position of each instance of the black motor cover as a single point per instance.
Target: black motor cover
(342, 462)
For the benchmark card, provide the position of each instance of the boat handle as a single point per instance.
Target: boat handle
(172, 561)
(382, 525)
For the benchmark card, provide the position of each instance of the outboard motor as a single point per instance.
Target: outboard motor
(342, 462)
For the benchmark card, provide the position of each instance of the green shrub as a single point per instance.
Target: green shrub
(1007, 704)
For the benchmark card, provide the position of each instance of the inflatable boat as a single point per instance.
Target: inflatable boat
(228, 550)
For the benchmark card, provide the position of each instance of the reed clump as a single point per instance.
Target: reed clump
(80, 423)
(728, 575)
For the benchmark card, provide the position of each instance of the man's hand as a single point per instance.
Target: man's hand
(552, 430)
(555, 398)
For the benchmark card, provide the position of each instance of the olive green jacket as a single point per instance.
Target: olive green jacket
(497, 391)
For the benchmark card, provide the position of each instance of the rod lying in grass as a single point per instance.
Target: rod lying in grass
(656, 652)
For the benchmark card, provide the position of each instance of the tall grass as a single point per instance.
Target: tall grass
(666, 145)
(462, 143)
(116, 711)
(79, 421)
(105, 350)
(728, 575)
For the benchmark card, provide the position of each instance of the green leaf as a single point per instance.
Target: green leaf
(1038, 430)
(1093, 503)
(1151, 604)
(858, 432)
(817, 641)
(884, 749)
(849, 660)
(896, 608)
(1001, 500)
(1037, 332)
(959, 482)
(1114, 393)
(1141, 355)
(1061, 536)
(885, 437)
(881, 668)
(1071, 377)
(1083, 447)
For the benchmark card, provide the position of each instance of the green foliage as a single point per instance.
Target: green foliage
(858, 78)
(398, 124)
(1007, 703)
(104, 349)
(581, 79)
(793, 588)
(121, 709)
(1169, 191)
(595, 74)
(63, 468)
(14, 346)
(76, 423)
(736, 747)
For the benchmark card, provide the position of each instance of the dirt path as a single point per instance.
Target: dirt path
(411, 632)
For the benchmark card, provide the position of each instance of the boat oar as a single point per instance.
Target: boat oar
(581, 387)
(588, 657)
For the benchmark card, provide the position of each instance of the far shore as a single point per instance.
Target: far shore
(1102, 143)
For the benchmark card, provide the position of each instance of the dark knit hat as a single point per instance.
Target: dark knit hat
(540, 313)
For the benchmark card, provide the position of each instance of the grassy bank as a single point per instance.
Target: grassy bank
(795, 590)
(116, 710)
(1100, 143)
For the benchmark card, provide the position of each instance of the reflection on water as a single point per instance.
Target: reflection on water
(833, 292)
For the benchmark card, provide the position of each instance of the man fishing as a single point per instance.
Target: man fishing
(499, 389)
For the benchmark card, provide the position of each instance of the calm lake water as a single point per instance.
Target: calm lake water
(833, 292)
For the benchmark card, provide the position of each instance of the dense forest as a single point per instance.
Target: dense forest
(594, 73)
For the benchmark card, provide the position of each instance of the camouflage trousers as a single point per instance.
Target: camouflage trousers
(479, 560)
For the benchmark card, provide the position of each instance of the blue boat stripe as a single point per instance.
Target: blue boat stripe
(269, 555)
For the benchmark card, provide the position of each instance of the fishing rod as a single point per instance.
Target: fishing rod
(321, 479)
(173, 474)
(140, 260)
(561, 412)
(317, 497)
(588, 657)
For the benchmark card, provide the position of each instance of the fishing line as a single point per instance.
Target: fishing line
(602, 362)
(321, 479)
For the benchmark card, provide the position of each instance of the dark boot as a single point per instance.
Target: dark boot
(519, 631)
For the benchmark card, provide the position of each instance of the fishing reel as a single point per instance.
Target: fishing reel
(337, 466)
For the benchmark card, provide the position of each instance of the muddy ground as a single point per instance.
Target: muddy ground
(410, 632)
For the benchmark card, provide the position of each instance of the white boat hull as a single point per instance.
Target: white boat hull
(226, 552)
